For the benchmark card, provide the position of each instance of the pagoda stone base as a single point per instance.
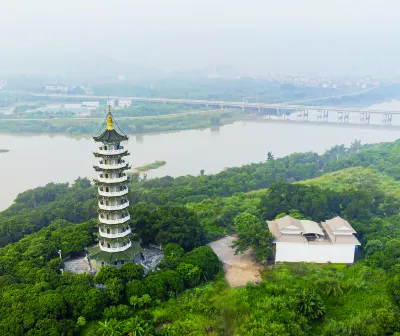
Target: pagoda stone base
(99, 258)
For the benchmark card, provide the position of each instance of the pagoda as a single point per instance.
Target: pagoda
(115, 245)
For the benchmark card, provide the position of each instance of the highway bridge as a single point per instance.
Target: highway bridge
(283, 110)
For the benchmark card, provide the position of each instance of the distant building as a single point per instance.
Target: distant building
(124, 103)
(91, 105)
(56, 88)
(306, 241)
(71, 106)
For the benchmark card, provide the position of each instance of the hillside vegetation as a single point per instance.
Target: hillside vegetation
(187, 295)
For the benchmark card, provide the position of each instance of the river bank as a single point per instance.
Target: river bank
(134, 126)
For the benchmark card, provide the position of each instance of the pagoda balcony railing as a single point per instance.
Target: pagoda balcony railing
(113, 193)
(115, 249)
(115, 235)
(114, 221)
(113, 179)
(112, 166)
(121, 150)
(114, 207)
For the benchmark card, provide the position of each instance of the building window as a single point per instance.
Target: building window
(122, 261)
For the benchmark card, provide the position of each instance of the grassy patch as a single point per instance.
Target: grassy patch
(359, 178)
(4, 150)
(151, 166)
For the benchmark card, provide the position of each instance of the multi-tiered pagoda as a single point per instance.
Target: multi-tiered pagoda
(115, 246)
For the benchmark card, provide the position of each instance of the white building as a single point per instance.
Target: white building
(306, 241)
(124, 103)
(91, 105)
(71, 106)
(56, 88)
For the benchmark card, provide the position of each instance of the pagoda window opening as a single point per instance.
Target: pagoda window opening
(105, 147)
(108, 230)
(122, 261)
(108, 245)
(107, 189)
(106, 175)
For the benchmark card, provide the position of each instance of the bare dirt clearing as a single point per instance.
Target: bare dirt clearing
(239, 269)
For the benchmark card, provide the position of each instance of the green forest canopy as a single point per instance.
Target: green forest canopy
(187, 296)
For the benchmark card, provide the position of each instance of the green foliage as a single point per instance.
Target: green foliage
(191, 274)
(206, 260)
(253, 233)
(131, 271)
(310, 304)
(81, 322)
(168, 224)
(118, 312)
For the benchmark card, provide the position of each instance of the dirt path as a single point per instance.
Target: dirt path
(239, 269)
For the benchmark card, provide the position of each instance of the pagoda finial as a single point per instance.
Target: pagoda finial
(109, 119)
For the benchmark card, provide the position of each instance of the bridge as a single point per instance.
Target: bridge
(322, 114)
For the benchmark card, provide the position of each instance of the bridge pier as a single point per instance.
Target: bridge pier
(387, 119)
(365, 117)
(325, 116)
(302, 115)
(343, 117)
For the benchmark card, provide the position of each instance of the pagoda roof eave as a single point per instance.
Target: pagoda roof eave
(110, 136)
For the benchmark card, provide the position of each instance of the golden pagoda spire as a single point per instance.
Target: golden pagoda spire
(109, 119)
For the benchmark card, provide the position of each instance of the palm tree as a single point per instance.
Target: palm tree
(146, 299)
(270, 156)
(110, 327)
(135, 326)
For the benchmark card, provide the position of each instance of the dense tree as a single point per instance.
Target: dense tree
(253, 233)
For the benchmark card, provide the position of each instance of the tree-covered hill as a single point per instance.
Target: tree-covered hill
(187, 296)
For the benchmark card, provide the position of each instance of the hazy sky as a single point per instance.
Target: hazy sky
(295, 36)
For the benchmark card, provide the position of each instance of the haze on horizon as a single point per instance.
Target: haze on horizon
(256, 36)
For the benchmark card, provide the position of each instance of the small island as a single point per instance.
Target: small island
(4, 150)
(151, 166)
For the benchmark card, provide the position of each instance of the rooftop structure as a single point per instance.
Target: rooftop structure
(115, 246)
(304, 240)
(124, 103)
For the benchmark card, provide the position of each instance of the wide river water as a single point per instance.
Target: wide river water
(35, 160)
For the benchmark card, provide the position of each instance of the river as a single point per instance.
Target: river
(35, 160)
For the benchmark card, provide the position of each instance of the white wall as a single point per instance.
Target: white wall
(292, 252)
